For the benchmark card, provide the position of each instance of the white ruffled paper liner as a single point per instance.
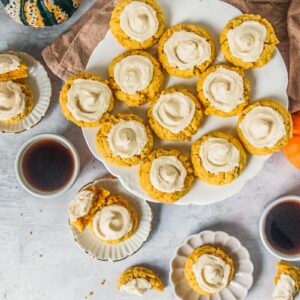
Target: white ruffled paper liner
(107, 252)
(40, 85)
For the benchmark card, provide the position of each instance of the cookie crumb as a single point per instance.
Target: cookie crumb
(102, 282)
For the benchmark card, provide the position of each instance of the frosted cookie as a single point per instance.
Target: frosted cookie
(11, 67)
(218, 158)
(84, 205)
(264, 127)
(137, 24)
(223, 90)
(138, 280)
(287, 281)
(124, 140)
(16, 101)
(135, 77)
(166, 175)
(208, 270)
(186, 50)
(248, 41)
(175, 114)
(115, 220)
(86, 99)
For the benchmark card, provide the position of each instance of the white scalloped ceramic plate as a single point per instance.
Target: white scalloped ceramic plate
(102, 251)
(269, 81)
(243, 278)
(40, 84)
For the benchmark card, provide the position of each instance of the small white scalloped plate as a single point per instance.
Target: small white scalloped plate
(107, 252)
(243, 278)
(40, 85)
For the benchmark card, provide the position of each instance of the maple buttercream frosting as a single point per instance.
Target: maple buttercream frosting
(127, 138)
(167, 174)
(12, 100)
(248, 41)
(133, 73)
(186, 50)
(264, 127)
(174, 111)
(219, 155)
(88, 100)
(212, 273)
(112, 222)
(285, 288)
(138, 20)
(208, 270)
(9, 62)
(81, 204)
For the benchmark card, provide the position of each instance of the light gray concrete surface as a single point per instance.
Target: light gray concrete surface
(38, 257)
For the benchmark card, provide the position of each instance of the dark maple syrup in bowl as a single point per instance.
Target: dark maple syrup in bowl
(48, 165)
(282, 227)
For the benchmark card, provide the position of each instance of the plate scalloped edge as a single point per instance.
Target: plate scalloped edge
(243, 278)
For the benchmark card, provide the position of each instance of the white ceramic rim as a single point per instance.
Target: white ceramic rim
(177, 12)
(39, 75)
(138, 246)
(262, 234)
(18, 165)
(197, 235)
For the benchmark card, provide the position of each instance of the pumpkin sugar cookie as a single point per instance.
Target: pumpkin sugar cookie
(186, 50)
(86, 99)
(166, 175)
(135, 77)
(138, 280)
(137, 24)
(248, 41)
(124, 140)
(175, 114)
(202, 263)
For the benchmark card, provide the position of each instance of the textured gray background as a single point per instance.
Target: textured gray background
(39, 259)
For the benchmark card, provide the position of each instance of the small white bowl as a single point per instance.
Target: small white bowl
(262, 233)
(19, 171)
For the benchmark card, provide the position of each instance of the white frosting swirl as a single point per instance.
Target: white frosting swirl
(137, 286)
(167, 174)
(263, 127)
(12, 100)
(88, 99)
(133, 73)
(285, 288)
(81, 204)
(112, 222)
(219, 155)
(212, 273)
(246, 41)
(224, 89)
(174, 111)
(186, 49)
(9, 62)
(139, 21)
(127, 138)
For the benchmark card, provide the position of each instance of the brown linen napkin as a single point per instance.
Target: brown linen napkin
(69, 54)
